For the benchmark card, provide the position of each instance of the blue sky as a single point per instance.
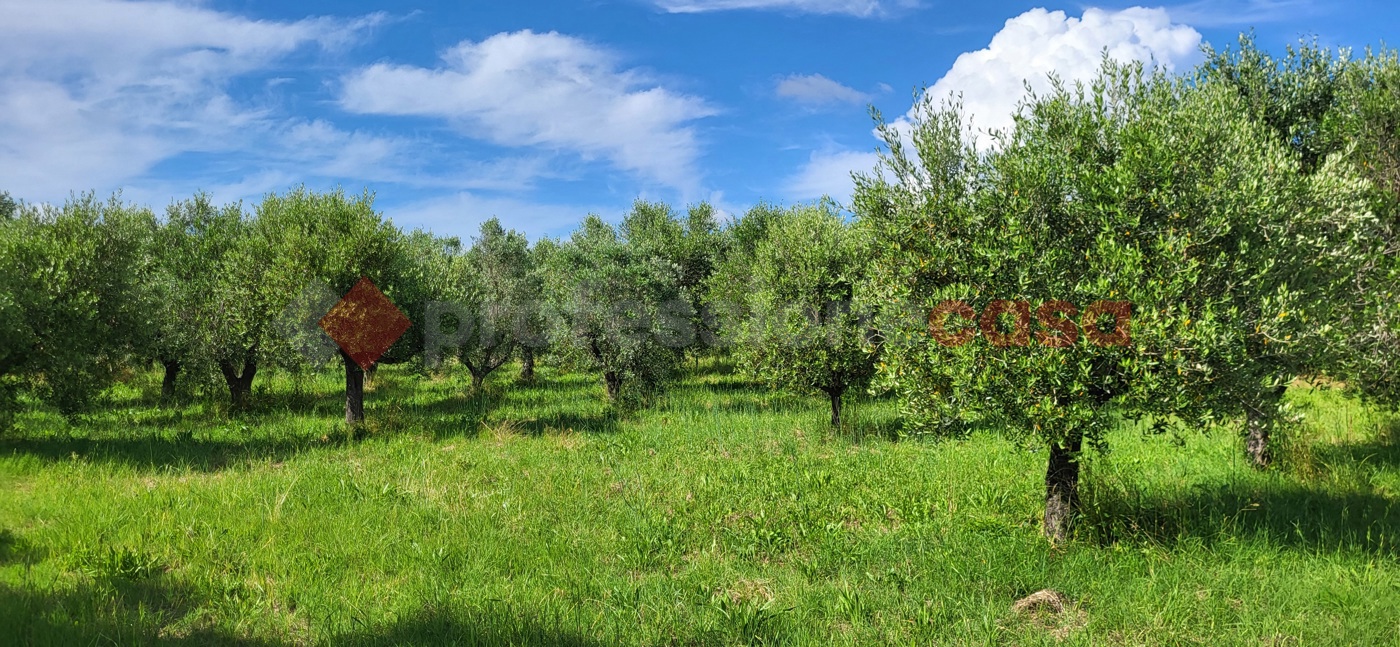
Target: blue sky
(541, 112)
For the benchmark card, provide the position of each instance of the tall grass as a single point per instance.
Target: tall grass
(725, 514)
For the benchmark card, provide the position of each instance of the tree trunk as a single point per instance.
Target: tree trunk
(167, 385)
(1259, 421)
(613, 381)
(1256, 440)
(477, 380)
(354, 391)
(527, 364)
(835, 396)
(239, 385)
(1062, 488)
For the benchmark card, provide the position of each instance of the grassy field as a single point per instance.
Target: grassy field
(727, 514)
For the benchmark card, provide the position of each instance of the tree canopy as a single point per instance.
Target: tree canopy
(1161, 201)
(795, 326)
(618, 306)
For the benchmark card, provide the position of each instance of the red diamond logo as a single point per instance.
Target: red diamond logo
(364, 323)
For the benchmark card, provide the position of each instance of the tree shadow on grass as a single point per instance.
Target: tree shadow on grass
(306, 403)
(151, 439)
(15, 549)
(604, 422)
(455, 414)
(1281, 514)
(465, 415)
(775, 402)
(732, 385)
(152, 611)
(156, 611)
(441, 627)
(548, 381)
(1382, 452)
(863, 429)
(155, 452)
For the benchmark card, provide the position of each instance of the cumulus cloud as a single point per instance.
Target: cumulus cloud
(817, 90)
(859, 8)
(828, 173)
(1037, 43)
(1027, 50)
(545, 90)
(96, 92)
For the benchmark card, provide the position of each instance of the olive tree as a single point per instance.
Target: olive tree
(618, 307)
(530, 326)
(244, 297)
(701, 250)
(1322, 106)
(8, 206)
(336, 240)
(1294, 97)
(1156, 233)
(189, 251)
(1368, 120)
(796, 327)
(489, 288)
(726, 290)
(72, 301)
(690, 244)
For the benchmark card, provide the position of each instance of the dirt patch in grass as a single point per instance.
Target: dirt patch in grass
(1050, 611)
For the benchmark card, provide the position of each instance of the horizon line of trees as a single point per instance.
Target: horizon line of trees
(1249, 211)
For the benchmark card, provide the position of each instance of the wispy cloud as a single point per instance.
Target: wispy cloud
(858, 8)
(1230, 13)
(548, 91)
(461, 214)
(321, 149)
(95, 93)
(815, 90)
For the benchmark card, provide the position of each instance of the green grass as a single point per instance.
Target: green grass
(726, 514)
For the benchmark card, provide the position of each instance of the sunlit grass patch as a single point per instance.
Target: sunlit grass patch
(725, 514)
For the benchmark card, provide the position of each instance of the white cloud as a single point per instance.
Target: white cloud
(829, 174)
(1027, 50)
(544, 90)
(724, 209)
(817, 90)
(320, 149)
(1222, 13)
(95, 92)
(1037, 43)
(249, 189)
(860, 8)
(461, 214)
